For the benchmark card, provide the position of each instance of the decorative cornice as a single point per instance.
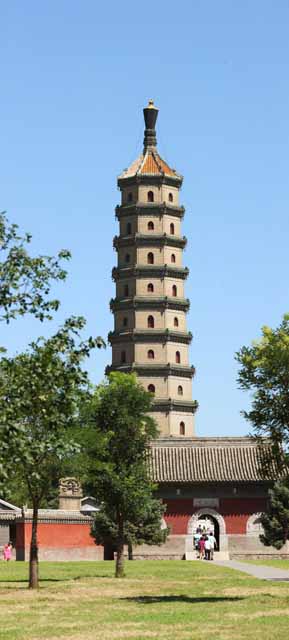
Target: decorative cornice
(149, 336)
(152, 240)
(169, 404)
(56, 516)
(149, 179)
(154, 370)
(150, 271)
(164, 302)
(149, 209)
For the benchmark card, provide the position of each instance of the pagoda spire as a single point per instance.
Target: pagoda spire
(150, 116)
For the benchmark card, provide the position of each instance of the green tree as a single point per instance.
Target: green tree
(40, 394)
(276, 520)
(265, 372)
(25, 281)
(118, 465)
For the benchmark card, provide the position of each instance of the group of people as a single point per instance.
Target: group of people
(204, 544)
(7, 551)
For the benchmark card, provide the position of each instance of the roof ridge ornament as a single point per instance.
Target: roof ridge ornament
(150, 117)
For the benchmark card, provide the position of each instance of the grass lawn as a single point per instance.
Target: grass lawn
(167, 600)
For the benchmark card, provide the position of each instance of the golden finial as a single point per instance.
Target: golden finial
(151, 104)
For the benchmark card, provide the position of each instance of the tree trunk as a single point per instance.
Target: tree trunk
(130, 551)
(33, 560)
(119, 563)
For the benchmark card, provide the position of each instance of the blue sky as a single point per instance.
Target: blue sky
(74, 79)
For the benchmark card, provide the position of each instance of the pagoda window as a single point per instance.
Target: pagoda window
(171, 197)
(151, 354)
(151, 388)
(174, 291)
(173, 258)
(151, 322)
(127, 258)
(125, 322)
(125, 290)
(150, 287)
(123, 357)
(151, 225)
(172, 229)
(128, 228)
(178, 357)
(182, 429)
(150, 196)
(176, 322)
(129, 197)
(180, 390)
(150, 258)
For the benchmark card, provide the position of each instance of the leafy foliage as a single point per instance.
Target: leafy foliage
(25, 280)
(265, 371)
(275, 521)
(40, 394)
(118, 470)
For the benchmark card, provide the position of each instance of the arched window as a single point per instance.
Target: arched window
(150, 196)
(129, 197)
(171, 197)
(127, 258)
(173, 258)
(150, 258)
(150, 287)
(128, 228)
(180, 390)
(151, 322)
(182, 429)
(125, 322)
(151, 225)
(151, 388)
(123, 357)
(178, 357)
(172, 229)
(176, 322)
(125, 290)
(151, 354)
(174, 290)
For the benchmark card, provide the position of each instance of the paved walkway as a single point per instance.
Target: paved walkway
(257, 570)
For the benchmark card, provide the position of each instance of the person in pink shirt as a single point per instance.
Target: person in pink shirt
(202, 547)
(7, 551)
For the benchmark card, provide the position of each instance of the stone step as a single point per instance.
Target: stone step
(221, 556)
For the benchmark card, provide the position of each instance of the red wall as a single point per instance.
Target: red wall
(235, 512)
(56, 535)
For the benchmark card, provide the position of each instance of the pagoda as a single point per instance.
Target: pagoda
(150, 334)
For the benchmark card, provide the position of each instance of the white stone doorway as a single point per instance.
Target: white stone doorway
(210, 520)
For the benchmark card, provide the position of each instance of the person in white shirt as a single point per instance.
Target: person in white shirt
(207, 548)
(213, 544)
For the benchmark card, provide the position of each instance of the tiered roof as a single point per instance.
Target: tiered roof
(184, 460)
(147, 164)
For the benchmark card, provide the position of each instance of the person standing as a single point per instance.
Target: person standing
(7, 551)
(213, 544)
(202, 547)
(207, 548)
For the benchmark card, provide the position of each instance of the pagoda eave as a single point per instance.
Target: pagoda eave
(149, 336)
(149, 208)
(150, 271)
(149, 303)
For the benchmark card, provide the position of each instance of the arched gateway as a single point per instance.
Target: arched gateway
(212, 520)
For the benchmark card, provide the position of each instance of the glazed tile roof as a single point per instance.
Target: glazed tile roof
(197, 460)
(149, 163)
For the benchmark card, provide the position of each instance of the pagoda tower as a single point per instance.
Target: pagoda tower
(150, 334)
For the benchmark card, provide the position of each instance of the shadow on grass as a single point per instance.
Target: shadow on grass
(8, 580)
(181, 598)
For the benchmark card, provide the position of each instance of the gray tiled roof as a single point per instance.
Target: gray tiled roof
(193, 460)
